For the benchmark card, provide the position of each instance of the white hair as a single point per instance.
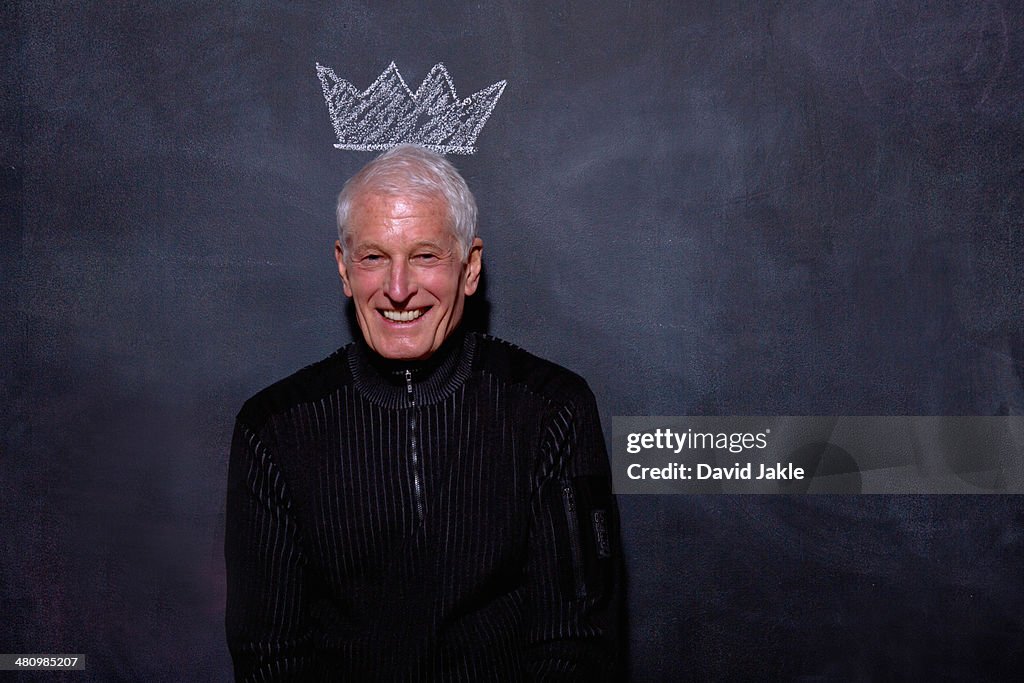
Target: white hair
(412, 171)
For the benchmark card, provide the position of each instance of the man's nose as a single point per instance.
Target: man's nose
(399, 285)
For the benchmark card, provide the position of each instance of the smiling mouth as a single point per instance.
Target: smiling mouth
(403, 316)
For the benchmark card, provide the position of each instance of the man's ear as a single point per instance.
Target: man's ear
(474, 263)
(339, 256)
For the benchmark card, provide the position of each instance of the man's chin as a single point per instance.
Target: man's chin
(402, 350)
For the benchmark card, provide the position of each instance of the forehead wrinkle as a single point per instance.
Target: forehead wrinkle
(400, 206)
(394, 232)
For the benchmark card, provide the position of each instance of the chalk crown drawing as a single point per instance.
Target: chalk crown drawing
(388, 112)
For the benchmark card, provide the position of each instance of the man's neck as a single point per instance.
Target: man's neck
(393, 382)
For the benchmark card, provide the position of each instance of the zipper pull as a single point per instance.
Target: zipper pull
(570, 499)
(408, 386)
(575, 547)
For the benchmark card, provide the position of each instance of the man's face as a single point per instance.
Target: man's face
(403, 271)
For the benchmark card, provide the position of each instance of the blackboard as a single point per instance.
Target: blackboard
(728, 208)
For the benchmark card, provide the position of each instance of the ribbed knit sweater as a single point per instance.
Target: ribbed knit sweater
(450, 519)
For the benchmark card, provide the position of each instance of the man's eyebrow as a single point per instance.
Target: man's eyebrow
(367, 246)
(431, 245)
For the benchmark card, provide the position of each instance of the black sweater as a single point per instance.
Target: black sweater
(450, 519)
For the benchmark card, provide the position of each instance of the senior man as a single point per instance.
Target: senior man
(427, 503)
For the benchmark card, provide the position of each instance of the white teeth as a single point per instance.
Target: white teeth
(404, 316)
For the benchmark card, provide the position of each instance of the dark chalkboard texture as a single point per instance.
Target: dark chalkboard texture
(722, 208)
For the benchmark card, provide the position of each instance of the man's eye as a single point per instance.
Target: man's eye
(372, 258)
(426, 257)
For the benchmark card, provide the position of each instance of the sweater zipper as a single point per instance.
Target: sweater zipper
(414, 451)
(569, 499)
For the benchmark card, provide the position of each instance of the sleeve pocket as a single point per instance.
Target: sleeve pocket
(591, 524)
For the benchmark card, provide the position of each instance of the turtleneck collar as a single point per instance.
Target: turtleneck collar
(383, 381)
